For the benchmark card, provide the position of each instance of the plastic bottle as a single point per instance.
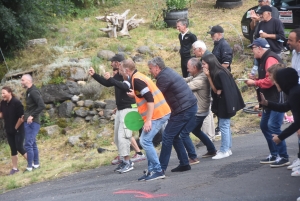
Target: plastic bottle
(254, 70)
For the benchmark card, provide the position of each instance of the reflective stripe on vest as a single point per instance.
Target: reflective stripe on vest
(161, 108)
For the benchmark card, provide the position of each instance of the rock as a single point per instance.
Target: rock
(79, 121)
(237, 49)
(106, 132)
(80, 103)
(66, 109)
(138, 58)
(75, 98)
(81, 83)
(38, 41)
(110, 104)
(144, 50)
(176, 48)
(95, 118)
(59, 92)
(73, 140)
(89, 103)
(105, 54)
(63, 30)
(50, 130)
(78, 73)
(103, 121)
(48, 106)
(88, 118)
(66, 130)
(113, 116)
(86, 19)
(73, 60)
(99, 136)
(101, 113)
(99, 104)
(92, 112)
(81, 111)
(107, 113)
(52, 112)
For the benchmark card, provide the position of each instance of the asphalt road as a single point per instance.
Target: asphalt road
(238, 177)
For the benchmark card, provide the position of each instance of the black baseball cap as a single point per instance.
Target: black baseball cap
(264, 9)
(216, 29)
(117, 57)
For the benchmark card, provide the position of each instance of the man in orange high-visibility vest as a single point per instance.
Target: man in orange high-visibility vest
(155, 112)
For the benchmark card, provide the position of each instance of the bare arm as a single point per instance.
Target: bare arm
(148, 123)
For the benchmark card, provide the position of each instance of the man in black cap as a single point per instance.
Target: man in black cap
(271, 29)
(222, 49)
(271, 120)
(123, 136)
(186, 39)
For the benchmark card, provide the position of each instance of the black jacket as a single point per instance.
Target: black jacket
(230, 100)
(287, 79)
(123, 101)
(271, 93)
(223, 52)
(11, 112)
(175, 90)
(34, 104)
(186, 44)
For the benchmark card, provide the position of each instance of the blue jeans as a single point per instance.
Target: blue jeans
(195, 126)
(171, 137)
(226, 138)
(31, 131)
(270, 123)
(147, 144)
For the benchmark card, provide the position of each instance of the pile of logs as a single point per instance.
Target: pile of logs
(118, 25)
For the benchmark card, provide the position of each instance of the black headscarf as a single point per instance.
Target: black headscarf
(287, 78)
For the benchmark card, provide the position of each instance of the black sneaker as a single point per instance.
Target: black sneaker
(181, 168)
(120, 166)
(270, 159)
(280, 162)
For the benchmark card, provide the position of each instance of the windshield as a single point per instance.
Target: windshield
(285, 3)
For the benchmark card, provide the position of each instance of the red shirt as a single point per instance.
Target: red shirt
(266, 82)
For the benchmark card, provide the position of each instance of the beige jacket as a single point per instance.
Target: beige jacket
(200, 87)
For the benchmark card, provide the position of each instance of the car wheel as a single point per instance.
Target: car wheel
(230, 4)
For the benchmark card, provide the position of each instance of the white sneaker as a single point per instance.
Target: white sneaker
(298, 199)
(295, 168)
(138, 157)
(221, 155)
(296, 163)
(229, 152)
(296, 173)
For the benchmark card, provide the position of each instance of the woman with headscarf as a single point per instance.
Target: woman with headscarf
(227, 100)
(11, 110)
(286, 80)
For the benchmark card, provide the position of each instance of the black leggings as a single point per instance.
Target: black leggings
(16, 141)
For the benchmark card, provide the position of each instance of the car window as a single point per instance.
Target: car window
(285, 3)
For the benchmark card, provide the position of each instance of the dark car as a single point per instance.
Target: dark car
(289, 14)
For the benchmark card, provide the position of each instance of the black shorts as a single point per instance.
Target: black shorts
(16, 141)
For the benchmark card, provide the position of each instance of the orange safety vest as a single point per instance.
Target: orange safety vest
(161, 107)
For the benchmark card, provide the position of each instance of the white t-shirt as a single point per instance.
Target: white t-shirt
(296, 62)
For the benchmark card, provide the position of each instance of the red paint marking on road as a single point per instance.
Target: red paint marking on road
(140, 194)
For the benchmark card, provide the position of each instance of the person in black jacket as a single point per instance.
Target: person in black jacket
(291, 88)
(227, 100)
(12, 111)
(122, 136)
(183, 106)
(222, 49)
(34, 107)
(186, 39)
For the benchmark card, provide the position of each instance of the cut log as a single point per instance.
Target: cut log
(117, 25)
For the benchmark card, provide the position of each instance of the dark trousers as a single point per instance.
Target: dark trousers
(184, 61)
(16, 141)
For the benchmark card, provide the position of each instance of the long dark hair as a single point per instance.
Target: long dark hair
(214, 66)
(9, 90)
